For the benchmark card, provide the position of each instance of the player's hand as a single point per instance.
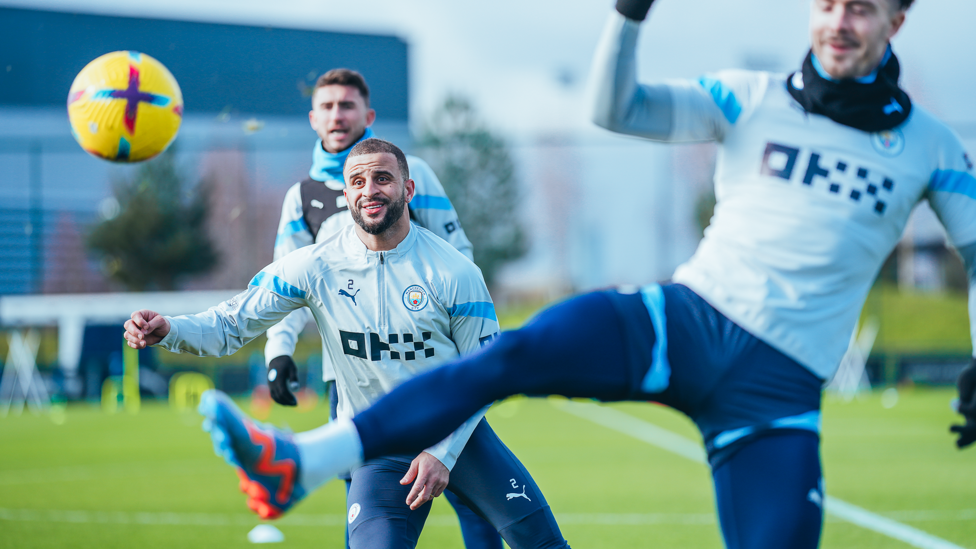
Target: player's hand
(145, 328)
(283, 380)
(431, 477)
(967, 406)
(634, 9)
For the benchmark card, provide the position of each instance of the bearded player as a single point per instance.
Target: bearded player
(421, 302)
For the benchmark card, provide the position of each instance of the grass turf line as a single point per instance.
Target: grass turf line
(607, 489)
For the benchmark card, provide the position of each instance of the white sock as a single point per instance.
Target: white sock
(327, 451)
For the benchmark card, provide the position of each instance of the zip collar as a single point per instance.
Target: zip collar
(402, 249)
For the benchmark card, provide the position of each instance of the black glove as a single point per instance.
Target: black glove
(634, 9)
(967, 406)
(282, 380)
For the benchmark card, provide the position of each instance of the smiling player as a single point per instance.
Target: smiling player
(421, 303)
(316, 208)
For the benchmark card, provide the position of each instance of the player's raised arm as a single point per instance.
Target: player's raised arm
(618, 102)
(678, 111)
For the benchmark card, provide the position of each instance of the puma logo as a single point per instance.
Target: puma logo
(512, 496)
(350, 296)
(893, 107)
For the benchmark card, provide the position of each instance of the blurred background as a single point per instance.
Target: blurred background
(491, 94)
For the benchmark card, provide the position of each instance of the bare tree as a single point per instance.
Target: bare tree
(478, 174)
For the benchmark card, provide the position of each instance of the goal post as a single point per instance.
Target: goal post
(70, 313)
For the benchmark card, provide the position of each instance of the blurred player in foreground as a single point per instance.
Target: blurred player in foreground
(391, 300)
(817, 174)
(314, 209)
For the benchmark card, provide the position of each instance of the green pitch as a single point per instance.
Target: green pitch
(152, 480)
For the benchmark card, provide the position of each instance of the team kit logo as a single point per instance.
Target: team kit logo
(352, 296)
(835, 175)
(889, 142)
(415, 298)
(512, 495)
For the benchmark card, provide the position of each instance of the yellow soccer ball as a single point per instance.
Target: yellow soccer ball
(125, 107)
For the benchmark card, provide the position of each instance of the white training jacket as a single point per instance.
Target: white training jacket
(385, 317)
(430, 208)
(807, 209)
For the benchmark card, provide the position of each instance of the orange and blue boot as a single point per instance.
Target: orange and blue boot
(266, 457)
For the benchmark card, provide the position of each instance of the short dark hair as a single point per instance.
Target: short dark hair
(376, 146)
(344, 77)
(904, 4)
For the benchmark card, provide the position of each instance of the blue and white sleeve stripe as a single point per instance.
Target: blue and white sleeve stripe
(953, 181)
(478, 309)
(290, 229)
(272, 283)
(430, 202)
(723, 97)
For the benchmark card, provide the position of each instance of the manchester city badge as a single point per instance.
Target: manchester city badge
(415, 298)
(888, 142)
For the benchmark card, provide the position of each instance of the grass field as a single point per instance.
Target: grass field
(152, 480)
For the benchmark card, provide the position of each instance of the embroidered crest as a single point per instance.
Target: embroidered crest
(415, 298)
(888, 142)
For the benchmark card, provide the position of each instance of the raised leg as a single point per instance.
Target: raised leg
(574, 349)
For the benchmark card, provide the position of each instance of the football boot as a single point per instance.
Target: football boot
(266, 458)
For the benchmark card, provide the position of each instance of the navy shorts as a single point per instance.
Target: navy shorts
(487, 477)
(734, 386)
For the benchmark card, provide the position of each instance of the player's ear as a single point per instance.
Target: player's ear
(370, 117)
(897, 20)
(408, 189)
(311, 118)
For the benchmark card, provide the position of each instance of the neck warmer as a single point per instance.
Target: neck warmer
(327, 166)
(872, 103)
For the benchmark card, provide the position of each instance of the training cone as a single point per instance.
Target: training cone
(265, 533)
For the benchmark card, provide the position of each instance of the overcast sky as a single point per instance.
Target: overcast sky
(524, 62)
